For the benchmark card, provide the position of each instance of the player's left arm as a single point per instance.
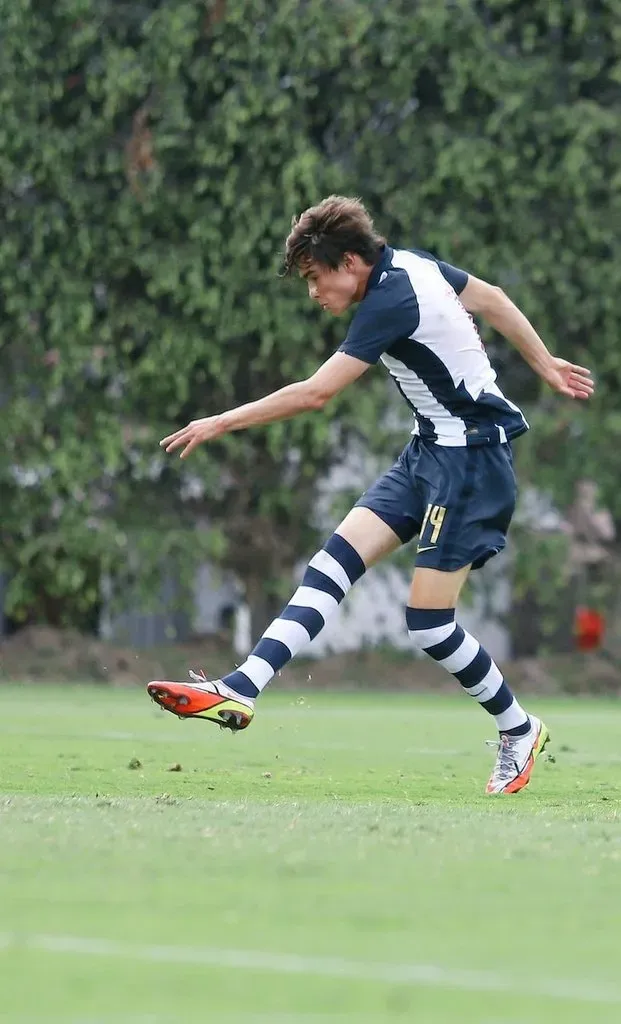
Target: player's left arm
(504, 316)
(303, 396)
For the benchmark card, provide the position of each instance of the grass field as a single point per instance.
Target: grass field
(338, 862)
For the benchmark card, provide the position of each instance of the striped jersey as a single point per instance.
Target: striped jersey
(412, 320)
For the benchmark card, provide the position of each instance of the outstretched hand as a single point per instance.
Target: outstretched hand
(194, 434)
(569, 379)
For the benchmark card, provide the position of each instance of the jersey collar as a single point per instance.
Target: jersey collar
(383, 263)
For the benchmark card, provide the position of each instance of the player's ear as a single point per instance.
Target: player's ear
(349, 261)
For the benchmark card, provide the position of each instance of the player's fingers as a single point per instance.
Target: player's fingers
(580, 369)
(179, 441)
(562, 387)
(582, 379)
(580, 383)
(172, 437)
(189, 448)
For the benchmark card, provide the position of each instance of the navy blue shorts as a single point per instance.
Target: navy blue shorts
(459, 500)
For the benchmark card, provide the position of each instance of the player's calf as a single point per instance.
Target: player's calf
(437, 634)
(522, 738)
(329, 576)
(229, 702)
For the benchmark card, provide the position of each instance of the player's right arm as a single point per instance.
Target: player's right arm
(497, 309)
(391, 312)
(302, 396)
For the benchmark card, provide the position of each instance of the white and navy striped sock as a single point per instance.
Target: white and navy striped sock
(328, 577)
(437, 634)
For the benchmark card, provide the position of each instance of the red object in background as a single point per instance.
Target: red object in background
(589, 628)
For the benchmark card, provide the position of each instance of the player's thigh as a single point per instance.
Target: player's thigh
(433, 588)
(388, 514)
(470, 494)
(368, 535)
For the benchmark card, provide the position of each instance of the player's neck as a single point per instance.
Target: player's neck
(363, 276)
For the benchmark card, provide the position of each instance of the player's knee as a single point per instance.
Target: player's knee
(434, 588)
(338, 562)
(428, 627)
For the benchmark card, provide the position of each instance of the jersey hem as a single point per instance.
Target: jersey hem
(472, 442)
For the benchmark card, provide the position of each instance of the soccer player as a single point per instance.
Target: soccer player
(453, 486)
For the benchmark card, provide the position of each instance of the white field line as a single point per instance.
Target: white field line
(322, 967)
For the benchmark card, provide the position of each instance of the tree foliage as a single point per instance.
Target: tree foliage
(151, 157)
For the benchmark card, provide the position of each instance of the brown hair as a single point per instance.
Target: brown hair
(326, 232)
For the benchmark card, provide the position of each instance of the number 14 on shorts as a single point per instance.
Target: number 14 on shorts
(434, 516)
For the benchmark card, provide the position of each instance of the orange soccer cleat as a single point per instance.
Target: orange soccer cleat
(204, 698)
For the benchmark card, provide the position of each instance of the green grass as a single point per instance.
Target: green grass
(337, 863)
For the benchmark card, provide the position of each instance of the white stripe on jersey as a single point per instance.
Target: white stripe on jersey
(446, 327)
(451, 428)
(449, 332)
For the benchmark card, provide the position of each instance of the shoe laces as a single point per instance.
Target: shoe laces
(198, 677)
(506, 761)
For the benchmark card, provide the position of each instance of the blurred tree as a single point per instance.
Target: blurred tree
(151, 164)
(151, 156)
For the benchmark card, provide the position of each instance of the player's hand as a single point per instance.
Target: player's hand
(194, 434)
(569, 379)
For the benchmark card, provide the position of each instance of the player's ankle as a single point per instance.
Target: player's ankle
(240, 684)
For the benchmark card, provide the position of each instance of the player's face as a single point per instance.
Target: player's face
(333, 290)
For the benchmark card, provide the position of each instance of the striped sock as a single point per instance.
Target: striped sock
(330, 574)
(437, 634)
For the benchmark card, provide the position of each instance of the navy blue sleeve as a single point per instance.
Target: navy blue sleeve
(458, 279)
(389, 312)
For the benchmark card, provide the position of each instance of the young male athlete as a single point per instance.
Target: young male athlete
(453, 485)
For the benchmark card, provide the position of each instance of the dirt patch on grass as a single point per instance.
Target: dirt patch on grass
(42, 654)
(39, 654)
